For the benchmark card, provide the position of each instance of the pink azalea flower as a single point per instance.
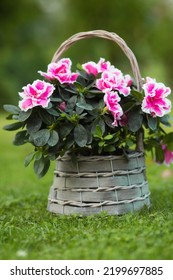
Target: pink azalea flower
(35, 94)
(113, 80)
(168, 155)
(60, 71)
(111, 100)
(104, 65)
(124, 120)
(95, 68)
(155, 101)
(128, 80)
(62, 106)
(91, 68)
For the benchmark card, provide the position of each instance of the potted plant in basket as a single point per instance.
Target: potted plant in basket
(94, 111)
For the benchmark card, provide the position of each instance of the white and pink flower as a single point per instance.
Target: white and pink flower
(94, 68)
(35, 94)
(60, 71)
(104, 65)
(91, 68)
(111, 100)
(128, 80)
(114, 80)
(155, 101)
(168, 155)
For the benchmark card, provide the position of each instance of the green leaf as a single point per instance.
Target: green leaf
(12, 117)
(109, 148)
(80, 84)
(85, 106)
(79, 110)
(152, 122)
(159, 154)
(168, 140)
(108, 137)
(53, 112)
(64, 94)
(134, 121)
(41, 137)
(137, 95)
(46, 117)
(108, 121)
(90, 136)
(80, 135)
(34, 123)
(11, 109)
(50, 105)
(46, 167)
(98, 132)
(65, 129)
(95, 92)
(165, 120)
(29, 158)
(168, 137)
(23, 116)
(68, 143)
(39, 166)
(54, 138)
(100, 122)
(128, 106)
(170, 146)
(13, 126)
(38, 154)
(129, 143)
(71, 103)
(55, 99)
(101, 143)
(20, 138)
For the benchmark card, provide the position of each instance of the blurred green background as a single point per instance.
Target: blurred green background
(32, 30)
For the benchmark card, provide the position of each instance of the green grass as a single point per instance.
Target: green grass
(29, 231)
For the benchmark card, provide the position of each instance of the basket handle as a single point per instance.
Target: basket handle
(106, 35)
(128, 52)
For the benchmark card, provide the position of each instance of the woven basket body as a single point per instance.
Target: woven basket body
(115, 184)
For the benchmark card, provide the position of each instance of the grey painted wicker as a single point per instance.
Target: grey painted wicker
(116, 184)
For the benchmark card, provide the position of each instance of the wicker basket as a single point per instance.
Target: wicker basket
(115, 184)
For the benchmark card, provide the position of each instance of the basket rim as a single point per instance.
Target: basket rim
(96, 158)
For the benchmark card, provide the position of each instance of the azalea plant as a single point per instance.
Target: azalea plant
(95, 110)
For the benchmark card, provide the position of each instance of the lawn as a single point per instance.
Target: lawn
(29, 231)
